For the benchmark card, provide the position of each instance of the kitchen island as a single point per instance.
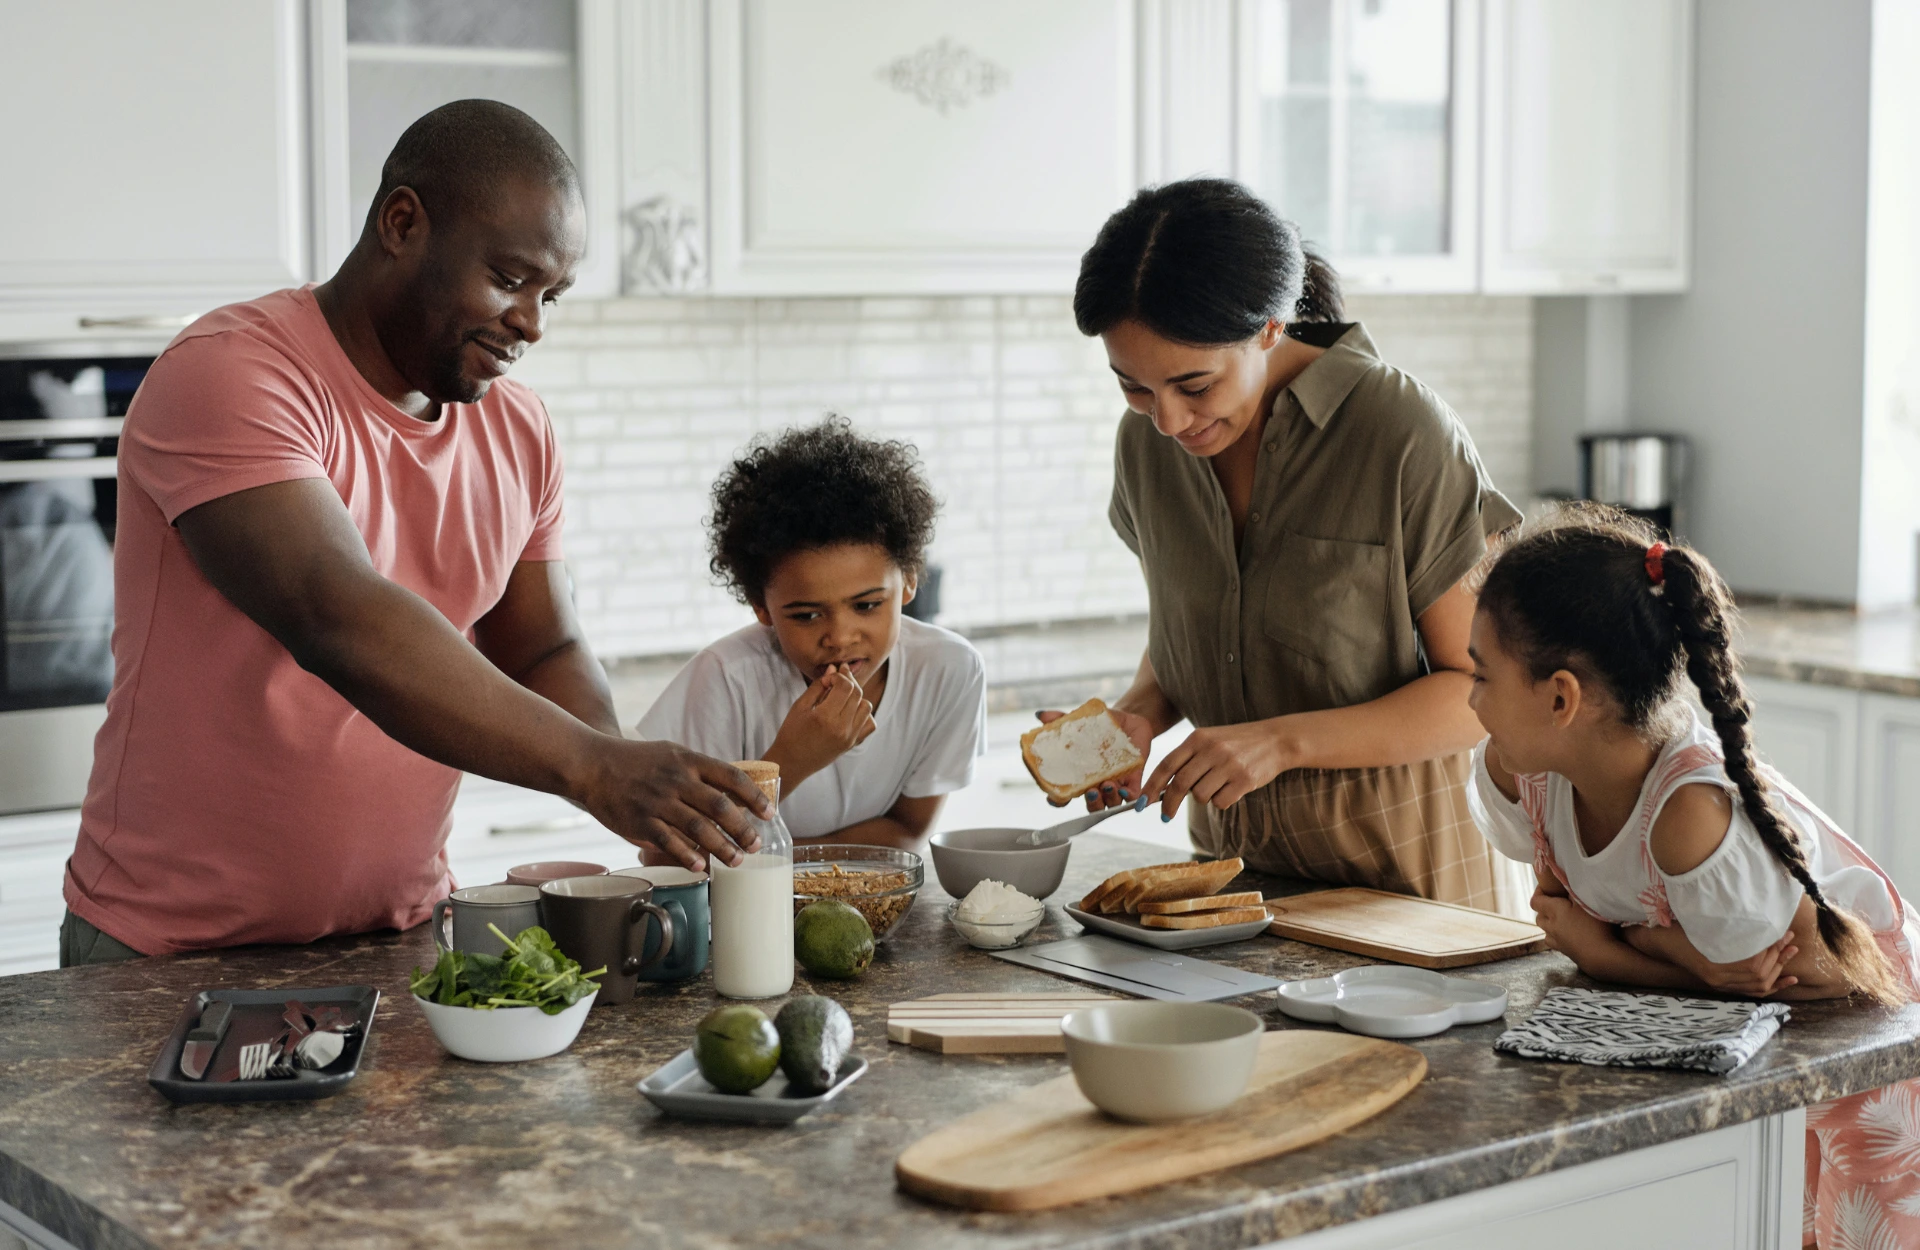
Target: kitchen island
(427, 1150)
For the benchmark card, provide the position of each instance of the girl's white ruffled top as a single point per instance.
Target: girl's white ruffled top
(1735, 904)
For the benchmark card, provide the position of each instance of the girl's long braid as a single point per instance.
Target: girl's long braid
(1699, 605)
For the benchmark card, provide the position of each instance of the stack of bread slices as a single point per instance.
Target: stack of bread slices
(1177, 896)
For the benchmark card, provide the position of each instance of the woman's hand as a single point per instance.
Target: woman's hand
(1219, 766)
(1127, 789)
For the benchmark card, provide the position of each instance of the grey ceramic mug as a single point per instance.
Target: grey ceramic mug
(683, 893)
(510, 907)
(602, 922)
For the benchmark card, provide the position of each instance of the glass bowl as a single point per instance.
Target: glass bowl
(879, 882)
(999, 935)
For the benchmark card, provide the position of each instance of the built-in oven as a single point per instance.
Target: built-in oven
(60, 420)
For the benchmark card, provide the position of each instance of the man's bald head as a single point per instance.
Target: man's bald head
(461, 154)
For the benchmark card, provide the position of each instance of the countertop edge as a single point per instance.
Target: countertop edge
(1276, 1216)
(1820, 673)
(60, 1212)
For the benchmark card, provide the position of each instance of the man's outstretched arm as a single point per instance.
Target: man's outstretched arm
(288, 555)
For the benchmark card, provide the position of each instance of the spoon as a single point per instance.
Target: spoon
(1054, 835)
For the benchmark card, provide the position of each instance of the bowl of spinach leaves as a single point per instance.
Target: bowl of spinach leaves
(525, 1004)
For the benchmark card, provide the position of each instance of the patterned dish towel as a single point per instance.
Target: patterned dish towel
(1643, 1030)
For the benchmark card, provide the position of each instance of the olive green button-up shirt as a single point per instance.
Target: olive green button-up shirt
(1369, 503)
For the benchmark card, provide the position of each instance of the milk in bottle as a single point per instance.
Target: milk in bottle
(752, 905)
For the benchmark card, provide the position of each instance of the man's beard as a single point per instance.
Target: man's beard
(450, 382)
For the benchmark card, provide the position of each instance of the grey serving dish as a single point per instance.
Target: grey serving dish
(165, 1075)
(1130, 928)
(679, 1090)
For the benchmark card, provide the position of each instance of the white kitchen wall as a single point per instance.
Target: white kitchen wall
(1011, 408)
(1760, 362)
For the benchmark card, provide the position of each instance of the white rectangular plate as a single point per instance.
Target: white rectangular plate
(1130, 928)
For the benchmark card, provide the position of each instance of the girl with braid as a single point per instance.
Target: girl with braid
(1667, 855)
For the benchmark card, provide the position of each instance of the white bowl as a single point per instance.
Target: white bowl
(505, 1034)
(1162, 1061)
(963, 858)
(996, 936)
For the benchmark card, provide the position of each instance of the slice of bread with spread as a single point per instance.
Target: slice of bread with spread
(1081, 751)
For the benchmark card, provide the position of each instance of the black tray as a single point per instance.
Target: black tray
(165, 1075)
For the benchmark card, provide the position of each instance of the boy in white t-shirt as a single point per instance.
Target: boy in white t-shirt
(873, 717)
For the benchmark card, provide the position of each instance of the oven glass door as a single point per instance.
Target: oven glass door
(58, 437)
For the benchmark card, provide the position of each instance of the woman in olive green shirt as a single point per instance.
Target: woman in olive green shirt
(1304, 514)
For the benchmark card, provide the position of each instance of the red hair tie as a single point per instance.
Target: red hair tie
(1657, 564)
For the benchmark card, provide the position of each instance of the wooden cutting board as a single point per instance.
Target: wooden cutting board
(1049, 1146)
(986, 1024)
(1401, 929)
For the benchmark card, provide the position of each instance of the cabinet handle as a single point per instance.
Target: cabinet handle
(144, 322)
(58, 469)
(553, 824)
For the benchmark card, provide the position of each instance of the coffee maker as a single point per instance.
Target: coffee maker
(1642, 473)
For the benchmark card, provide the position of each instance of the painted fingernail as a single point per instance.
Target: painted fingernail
(1123, 794)
(1140, 804)
(1093, 794)
(1165, 817)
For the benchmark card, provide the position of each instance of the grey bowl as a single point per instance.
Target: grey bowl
(963, 858)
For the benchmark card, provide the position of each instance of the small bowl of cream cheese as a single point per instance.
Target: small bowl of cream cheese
(994, 916)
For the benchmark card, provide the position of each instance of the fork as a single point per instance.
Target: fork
(255, 1059)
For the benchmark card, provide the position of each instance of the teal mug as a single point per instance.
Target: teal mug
(683, 893)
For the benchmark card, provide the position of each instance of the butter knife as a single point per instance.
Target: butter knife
(204, 1038)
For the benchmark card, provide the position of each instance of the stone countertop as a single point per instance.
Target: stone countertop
(1874, 651)
(426, 1150)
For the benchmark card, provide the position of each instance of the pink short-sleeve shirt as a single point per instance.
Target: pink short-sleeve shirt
(236, 798)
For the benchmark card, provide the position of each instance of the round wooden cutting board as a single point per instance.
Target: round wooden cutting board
(1049, 1146)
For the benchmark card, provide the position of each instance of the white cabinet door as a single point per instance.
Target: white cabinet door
(33, 864)
(1359, 120)
(917, 145)
(1890, 787)
(1812, 735)
(1588, 145)
(156, 156)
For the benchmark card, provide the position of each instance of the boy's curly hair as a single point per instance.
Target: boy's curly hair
(818, 486)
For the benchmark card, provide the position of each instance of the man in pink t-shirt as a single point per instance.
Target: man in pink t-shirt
(338, 584)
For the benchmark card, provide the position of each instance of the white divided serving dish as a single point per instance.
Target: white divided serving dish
(1387, 1001)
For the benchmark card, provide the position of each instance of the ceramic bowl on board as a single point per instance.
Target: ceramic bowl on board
(963, 858)
(1153, 1061)
(1381, 1000)
(505, 1034)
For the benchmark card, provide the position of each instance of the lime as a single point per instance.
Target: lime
(737, 1048)
(832, 940)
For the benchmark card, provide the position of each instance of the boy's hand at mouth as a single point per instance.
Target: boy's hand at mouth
(830, 718)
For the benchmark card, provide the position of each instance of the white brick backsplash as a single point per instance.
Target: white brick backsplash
(1012, 410)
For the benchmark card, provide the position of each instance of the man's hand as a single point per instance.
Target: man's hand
(830, 718)
(1125, 790)
(1219, 766)
(659, 794)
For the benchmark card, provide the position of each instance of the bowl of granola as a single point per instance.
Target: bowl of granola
(879, 882)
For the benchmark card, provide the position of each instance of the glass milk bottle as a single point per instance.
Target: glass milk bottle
(752, 905)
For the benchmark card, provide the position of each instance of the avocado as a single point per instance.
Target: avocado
(832, 940)
(815, 1035)
(737, 1048)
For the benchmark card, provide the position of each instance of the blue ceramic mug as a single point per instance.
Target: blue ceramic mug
(683, 893)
